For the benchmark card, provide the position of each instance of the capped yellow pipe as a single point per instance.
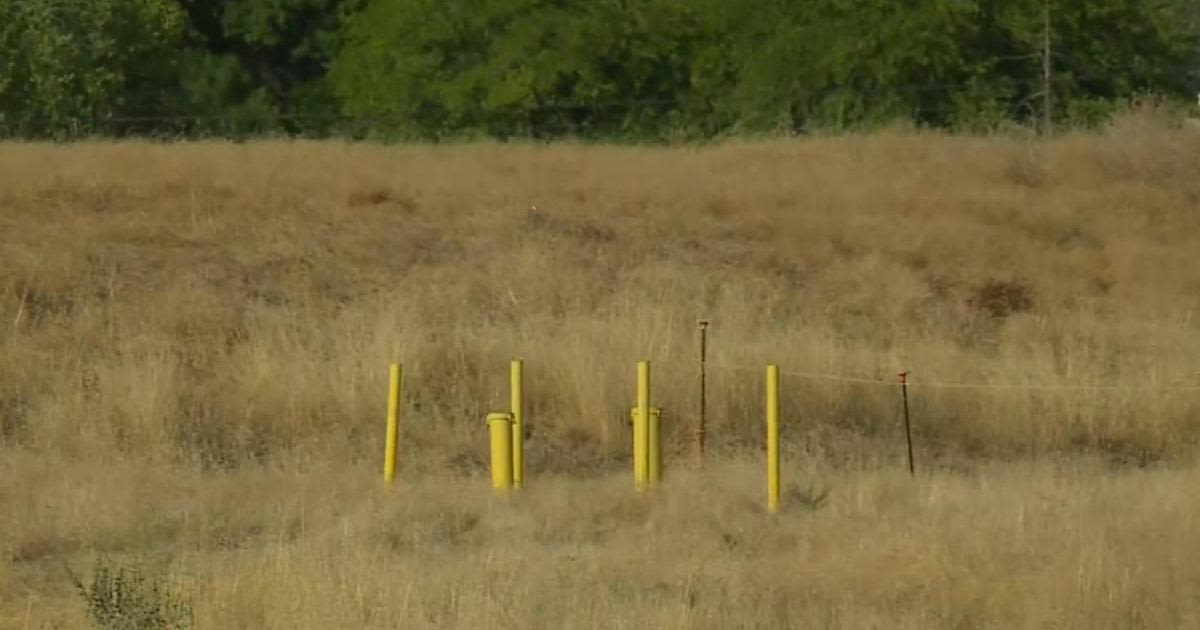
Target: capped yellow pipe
(641, 428)
(773, 438)
(393, 423)
(653, 444)
(500, 431)
(518, 428)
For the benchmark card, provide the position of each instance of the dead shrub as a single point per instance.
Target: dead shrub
(1001, 298)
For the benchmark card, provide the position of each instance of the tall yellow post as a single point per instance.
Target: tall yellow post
(518, 429)
(773, 438)
(654, 446)
(393, 423)
(641, 428)
(500, 430)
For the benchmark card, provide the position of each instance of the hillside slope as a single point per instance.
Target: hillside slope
(222, 303)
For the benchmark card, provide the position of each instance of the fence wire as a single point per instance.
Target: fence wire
(957, 385)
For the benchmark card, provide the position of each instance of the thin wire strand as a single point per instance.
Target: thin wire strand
(960, 385)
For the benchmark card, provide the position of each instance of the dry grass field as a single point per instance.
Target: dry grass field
(194, 342)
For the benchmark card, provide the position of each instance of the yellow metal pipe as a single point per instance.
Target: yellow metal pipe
(641, 428)
(393, 423)
(654, 446)
(518, 428)
(500, 431)
(773, 438)
(653, 443)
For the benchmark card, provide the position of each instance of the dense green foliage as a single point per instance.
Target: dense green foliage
(590, 68)
(65, 65)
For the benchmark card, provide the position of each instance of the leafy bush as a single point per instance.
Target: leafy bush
(125, 599)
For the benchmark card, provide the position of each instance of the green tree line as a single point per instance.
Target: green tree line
(637, 69)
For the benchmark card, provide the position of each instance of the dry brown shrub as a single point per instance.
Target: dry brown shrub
(1001, 298)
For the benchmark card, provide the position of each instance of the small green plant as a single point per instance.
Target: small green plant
(125, 599)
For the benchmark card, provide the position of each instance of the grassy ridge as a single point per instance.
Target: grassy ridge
(240, 302)
(194, 341)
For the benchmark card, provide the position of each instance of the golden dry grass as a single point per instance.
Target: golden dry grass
(1042, 545)
(194, 340)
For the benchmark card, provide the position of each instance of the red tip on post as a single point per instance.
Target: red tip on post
(903, 377)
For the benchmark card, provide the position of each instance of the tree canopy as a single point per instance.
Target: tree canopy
(640, 69)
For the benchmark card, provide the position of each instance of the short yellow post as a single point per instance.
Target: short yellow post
(393, 423)
(773, 438)
(500, 430)
(641, 428)
(518, 429)
(654, 446)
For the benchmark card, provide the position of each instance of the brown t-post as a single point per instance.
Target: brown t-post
(912, 470)
(700, 429)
